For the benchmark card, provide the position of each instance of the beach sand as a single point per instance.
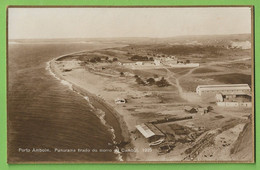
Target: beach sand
(102, 92)
(86, 85)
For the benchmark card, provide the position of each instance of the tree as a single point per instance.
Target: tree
(139, 58)
(151, 59)
(83, 63)
(162, 83)
(98, 59)
(93, 60)
(140, 81)
(106, 58)
(155, 76)
(122, 74)
(115, 59)
(210, 108)
(187, 61)
(150, 81)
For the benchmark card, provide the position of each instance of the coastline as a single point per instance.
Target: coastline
(106, 113)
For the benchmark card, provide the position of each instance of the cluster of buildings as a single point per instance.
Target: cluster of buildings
(234, 100)
(165, 60)
(170, 61)
(228, 95)
(153, 134)
(173, 61)
(200, 110)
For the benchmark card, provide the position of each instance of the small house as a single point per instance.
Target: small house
(120, 101)
(190, 109)
(202, 110)
(157, 62)
(139, 63)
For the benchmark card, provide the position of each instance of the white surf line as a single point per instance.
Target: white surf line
(99, 114)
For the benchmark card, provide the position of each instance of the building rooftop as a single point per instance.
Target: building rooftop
(148, 130)
(236, 93)
(223, 85)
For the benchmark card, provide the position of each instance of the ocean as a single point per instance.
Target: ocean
(43, 113)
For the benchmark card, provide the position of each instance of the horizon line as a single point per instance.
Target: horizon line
(126, 37)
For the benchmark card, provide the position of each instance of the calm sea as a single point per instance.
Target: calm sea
(43, 113)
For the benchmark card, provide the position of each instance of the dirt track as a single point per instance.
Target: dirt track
(177, 84)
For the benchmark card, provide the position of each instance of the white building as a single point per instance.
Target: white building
(128, 64)
(235, 99)
(234, 104)
(157, 62)
(224, 88)
(181, 65)
(139, 63)
(120, 101)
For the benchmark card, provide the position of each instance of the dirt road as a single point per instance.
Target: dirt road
(171, 75)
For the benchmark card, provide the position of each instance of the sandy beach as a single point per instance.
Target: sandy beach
(110, 117)
(101, 96)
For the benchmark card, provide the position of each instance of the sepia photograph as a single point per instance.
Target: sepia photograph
(171, 84)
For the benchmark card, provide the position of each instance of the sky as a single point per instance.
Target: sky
(48, 23)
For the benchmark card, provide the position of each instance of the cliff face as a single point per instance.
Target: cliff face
(243, 149)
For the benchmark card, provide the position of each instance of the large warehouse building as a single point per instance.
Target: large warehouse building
(225, 88)
(150, 132)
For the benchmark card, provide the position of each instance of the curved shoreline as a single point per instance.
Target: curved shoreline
(111, 118)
